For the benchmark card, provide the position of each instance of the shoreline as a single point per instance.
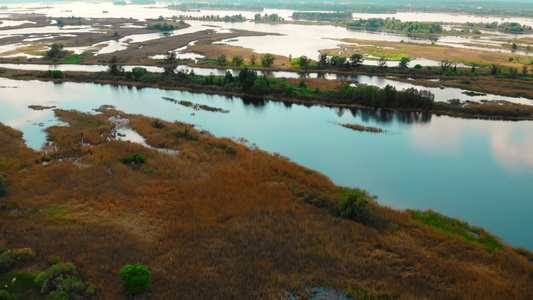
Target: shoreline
(490, 111)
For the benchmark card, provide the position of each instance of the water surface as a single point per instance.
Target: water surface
(479, 171)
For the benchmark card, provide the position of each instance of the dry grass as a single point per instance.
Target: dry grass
(359, 127)
(433, 52)
(213, 224)
(322, 84)
(213, 51)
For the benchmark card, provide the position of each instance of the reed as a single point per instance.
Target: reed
(213, 224)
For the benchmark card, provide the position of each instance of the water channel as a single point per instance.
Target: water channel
(476, 170)
(286, 39)
(441, 94)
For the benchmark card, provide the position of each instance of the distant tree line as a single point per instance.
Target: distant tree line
(160, 26)
(199, 5)
(322, 16)
(268, 18)
(395, 24)
(217, 18)
(250, 83)
(506, 26)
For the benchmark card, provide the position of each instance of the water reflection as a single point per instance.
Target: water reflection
(384, 116)
(256, 102)
(511, 143)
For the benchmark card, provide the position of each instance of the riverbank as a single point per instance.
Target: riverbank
(294, 91)
(220, 217)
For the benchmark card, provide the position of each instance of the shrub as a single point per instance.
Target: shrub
(185, 134)
(352, 204)
(60, 282)
(230, 150)
(158, 124)
(55, 74)
(134, 159)
(52, 260)
(136, 278)
(46, 280)
(12, 258)
(418, 66)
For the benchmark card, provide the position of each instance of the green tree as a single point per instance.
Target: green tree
(303, 61)
(169, 70)
(445, 65)
(253, 59)
(382, 62)
(113, 68)
(222, 60)
(495, 69)
(404, 63)
(356, 60)
(322, 60)
(56, 51)
(524, 69)
(247, 78)
(514, 46)
(170, 57)
(237, 60)
(267, 60)
(135, 278)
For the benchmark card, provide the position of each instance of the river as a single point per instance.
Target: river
(476, 170)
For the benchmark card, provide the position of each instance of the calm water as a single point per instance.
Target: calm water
(479, 171)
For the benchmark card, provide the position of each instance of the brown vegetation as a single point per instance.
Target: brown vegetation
(358, 127)
(213, 223)
(433, 52)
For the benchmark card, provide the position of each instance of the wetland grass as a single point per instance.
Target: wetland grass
(212, 225)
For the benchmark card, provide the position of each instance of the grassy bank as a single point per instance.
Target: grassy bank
(247, 83)
(220, 220)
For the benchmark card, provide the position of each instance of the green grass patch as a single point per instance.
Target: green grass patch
(73, 59)
(395, 56)
(55, 210)
(23, 286)
(473, 234)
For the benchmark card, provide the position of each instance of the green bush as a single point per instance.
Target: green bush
(54, 260)
(352, 204)
(12, 258)
(134, 159)
(46, 280)
(230, 150)
(157, 124)
(60, 282)
(135, 278)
